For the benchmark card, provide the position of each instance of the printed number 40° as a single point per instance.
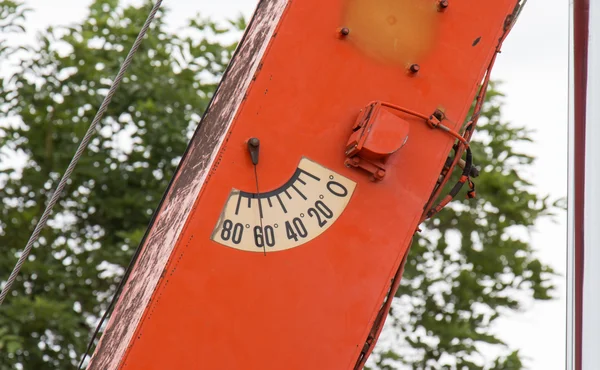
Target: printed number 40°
(295, 229)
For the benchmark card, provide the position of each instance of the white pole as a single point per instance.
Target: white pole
(570, 276)
(583, 250)
(591, 245)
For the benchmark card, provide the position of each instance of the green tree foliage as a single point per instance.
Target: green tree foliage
(464, 269)
(48, 104)
(472, 262)
(12, 16)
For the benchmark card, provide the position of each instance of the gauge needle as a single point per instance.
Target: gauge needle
(260, 212)
(253, 147)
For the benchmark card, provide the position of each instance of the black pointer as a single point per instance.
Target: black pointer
(253, 148)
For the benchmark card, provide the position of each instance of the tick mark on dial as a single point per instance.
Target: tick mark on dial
(310, 174)
(237, 207)
(260, 208)
(281, 204)
(299, 192)
(302, 211)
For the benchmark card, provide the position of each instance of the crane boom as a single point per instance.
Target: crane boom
(280, 241)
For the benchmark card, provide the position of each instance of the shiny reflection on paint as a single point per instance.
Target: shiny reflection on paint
(396, 31)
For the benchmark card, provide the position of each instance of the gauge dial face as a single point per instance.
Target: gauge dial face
(295, 213)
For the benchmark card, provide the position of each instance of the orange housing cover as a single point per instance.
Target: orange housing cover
(293, 275)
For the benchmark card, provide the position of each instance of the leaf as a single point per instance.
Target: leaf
(73, 270)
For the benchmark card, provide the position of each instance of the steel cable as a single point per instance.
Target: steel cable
(80, 150)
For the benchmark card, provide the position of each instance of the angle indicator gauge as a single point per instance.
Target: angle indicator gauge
(295, 213)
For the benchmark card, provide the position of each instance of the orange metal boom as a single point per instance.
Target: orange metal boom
(287, 223)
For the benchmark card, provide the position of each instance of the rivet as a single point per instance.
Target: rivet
(345, 31)
(414, 68)
(443, 4)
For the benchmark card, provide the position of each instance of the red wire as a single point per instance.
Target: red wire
(455, 134)
(461, 146)
(407, 111)
(383, 312)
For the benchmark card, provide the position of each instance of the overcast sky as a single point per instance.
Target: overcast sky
(533, 67)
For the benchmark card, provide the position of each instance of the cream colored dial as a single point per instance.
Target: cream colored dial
(297, 212)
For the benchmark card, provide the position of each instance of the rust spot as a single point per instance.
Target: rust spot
(476, 41)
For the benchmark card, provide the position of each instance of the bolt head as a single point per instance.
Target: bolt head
(443, 4)
(345, 31)
(254, 142)
(414, 68)
(438, 114)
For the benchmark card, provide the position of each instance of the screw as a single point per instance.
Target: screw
(414, 68)
(443, 4)
(345, 31)
(254, 142)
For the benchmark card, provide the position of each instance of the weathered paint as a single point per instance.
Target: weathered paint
(313, 306)
(192, 173)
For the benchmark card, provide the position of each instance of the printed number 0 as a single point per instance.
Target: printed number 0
(337, 189)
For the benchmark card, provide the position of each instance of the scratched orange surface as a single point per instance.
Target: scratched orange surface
(312, 306)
